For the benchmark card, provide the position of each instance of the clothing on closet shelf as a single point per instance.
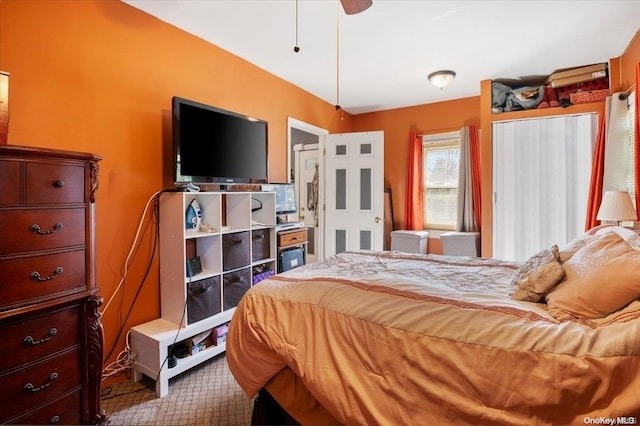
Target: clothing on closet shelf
(312, 203)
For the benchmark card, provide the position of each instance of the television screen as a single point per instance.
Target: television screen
(212, 145)
(285, 197)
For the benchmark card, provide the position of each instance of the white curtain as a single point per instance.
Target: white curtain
(616, 147)
(542, 169)
(465, 220)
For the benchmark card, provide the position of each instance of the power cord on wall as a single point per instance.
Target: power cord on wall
(126, 358)
(131, 250)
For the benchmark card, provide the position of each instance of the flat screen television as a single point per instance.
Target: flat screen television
(285, 197)
(213, 145)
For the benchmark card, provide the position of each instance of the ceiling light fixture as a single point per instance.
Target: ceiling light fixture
(441, 78)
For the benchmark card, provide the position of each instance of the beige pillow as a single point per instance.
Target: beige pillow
(578, 242)
(536, 276)
(600, 278)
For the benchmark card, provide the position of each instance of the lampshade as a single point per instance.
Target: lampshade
(441, 78)
(617, 206)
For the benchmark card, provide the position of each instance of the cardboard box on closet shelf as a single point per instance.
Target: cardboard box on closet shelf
(577, 75)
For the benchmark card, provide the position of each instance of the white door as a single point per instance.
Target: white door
(306, 165)
(354, 192)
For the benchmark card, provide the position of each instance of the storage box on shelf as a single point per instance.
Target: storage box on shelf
(583, 97)
(563, 88)
(576, 75)
(236, 245)
(292, 248)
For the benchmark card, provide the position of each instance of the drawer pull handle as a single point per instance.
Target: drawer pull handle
(29, 386)
(35, 275)
(29, 340)
(59, 184)
(54, 420)
(36, 228)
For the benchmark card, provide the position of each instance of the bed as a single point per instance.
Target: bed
(390, 338)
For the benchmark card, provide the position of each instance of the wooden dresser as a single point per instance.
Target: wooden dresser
(51, 344)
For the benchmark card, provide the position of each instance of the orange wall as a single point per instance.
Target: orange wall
(397, 123)
(628, 62)
(98, 76)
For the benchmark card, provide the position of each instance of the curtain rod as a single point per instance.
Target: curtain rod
(624, 95)
(630, 89)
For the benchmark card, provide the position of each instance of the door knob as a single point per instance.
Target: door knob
(378, 220)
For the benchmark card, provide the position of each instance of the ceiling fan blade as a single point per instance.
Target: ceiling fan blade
(351, 7)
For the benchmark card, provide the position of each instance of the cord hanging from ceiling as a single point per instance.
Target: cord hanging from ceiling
(296, 48)
(338, 107)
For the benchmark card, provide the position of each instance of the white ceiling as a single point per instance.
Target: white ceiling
(387, 51)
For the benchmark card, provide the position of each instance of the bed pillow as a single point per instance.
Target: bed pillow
(537, 276)
(578, 242)
(600, 278)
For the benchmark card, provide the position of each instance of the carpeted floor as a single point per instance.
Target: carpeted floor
(205, 395)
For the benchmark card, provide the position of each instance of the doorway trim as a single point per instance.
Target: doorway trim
(293, 123)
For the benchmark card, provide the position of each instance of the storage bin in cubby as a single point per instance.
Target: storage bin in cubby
(257, 277)
(235, 250)
(260, 244)
(203, 299)
(234, 285)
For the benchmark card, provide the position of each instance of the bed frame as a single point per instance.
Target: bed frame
(267, 411)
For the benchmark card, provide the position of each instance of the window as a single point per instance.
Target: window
(441, 159)
(631, 187)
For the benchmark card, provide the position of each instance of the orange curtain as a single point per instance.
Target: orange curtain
(475, 175)
(413, 201)
(636, 143)
(597, 173)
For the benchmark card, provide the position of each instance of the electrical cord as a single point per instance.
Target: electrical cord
(175, 339)
(124, 361)
(131, 250)
(255, 209)
(126, 358)
(124, 320)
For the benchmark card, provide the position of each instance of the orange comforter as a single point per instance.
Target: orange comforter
(366, 338)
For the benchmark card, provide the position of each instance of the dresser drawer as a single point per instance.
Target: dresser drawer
(38, 384)
(292, 237)
(30, 230)
(9, 191)
(54, 183)
(36, 337)
(26, 278)
(63, 411)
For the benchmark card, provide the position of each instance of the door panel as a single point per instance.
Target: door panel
(354, 164)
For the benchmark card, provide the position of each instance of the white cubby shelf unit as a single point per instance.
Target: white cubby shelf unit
(236, 250)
